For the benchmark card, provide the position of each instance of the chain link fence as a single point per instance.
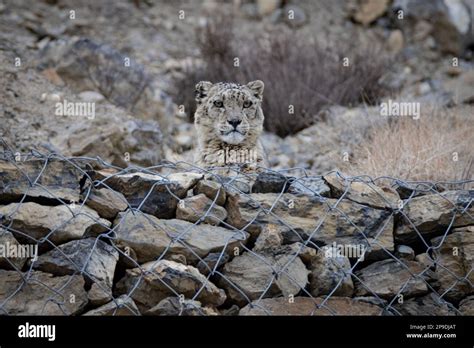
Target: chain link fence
(194, 284)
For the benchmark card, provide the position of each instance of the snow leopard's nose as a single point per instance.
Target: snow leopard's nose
(234, 123)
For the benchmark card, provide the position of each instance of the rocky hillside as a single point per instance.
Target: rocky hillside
(131, 242)
(102, 211)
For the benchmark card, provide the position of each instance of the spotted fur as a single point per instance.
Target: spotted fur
(229, 121)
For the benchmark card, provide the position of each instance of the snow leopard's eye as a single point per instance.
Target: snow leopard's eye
(218, 104)
(247, 104)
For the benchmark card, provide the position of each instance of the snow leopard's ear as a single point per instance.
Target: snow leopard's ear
(202, 88)
(256, 87)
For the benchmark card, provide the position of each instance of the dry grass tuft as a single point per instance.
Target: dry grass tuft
(419, 150)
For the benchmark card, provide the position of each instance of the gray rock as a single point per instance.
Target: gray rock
(161, 192)
(362, 192)
(388, 278)
(59, 180)
(150, 237)
(107, 203)
(99, 294)
(270, 182)
(208, 264)
(454, 263)
(330, 272)
(69, 222)
(311, 306)
(250, 276)
(38, 293)
(155, 281)
(200, 207)
(176, 307)
(430, 304)
(120, 306)
(310, 186)
(432, 214)
(212, 190)
(92, 258)
(299, 216)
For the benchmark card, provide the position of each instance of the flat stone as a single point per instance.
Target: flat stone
(432, 214)
(39, 180)
(155, 281)
(32, 221)
(149, 237)
(250, 276)
(311, 306)
(387, 279)
(41, 294)
(454, 263)
(200, 207)
(298, 217)
(121, 306)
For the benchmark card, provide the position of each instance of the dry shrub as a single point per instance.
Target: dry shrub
(301, 77)
(419, 150)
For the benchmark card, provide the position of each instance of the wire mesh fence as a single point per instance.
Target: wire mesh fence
(142, 241)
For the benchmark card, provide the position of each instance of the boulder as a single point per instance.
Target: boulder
(208, 264)
(200, 208)
(430, 304)
(106, 202)
(269, 239)
(212, 190)
(99, 294)
(175, 307)
(154, 281)
(250, 276)
(39, 180)
(122, 305)
(90, 257)
(310, 186)
(270, 182)
(38, 293)
(162, 194)
(311, 306)
(388, 278)
(59, 224)
(365, 193)
(149, 237)
(310, 217)
(432, 214)
(330, 274)
(454, 263)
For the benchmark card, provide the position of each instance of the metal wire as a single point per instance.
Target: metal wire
(294, 175)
